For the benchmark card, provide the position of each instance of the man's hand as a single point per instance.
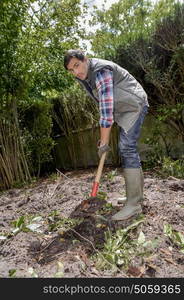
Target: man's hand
(103, 148)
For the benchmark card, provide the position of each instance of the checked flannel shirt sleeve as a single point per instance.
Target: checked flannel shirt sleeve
(104, 85)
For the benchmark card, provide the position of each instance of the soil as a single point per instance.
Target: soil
(73, 225)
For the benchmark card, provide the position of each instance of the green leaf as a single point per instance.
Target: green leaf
(3, 237)
(180, 237)
(12, 272)
(34, 227)
(176, 237)
(37, 219)
(60, 270)
(32, 272)
(16, 230)
(141, 238)
(20, 221)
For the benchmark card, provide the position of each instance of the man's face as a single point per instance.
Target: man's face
(78, 68)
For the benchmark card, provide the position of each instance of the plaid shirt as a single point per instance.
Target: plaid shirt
(104, 85)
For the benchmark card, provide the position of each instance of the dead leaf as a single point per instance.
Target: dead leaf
(136, 271)
(151, 270)
(170, 261)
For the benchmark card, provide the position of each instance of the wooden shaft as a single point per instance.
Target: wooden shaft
(100, 167)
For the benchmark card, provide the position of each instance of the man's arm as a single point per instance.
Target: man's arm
(105, 135)
(104, 84)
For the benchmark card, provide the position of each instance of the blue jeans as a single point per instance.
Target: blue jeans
(128, 143)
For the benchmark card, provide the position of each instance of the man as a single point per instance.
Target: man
(121, 99)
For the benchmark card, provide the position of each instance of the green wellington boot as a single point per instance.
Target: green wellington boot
(134, 194)
(122, 200)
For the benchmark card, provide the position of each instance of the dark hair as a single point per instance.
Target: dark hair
(77, 53)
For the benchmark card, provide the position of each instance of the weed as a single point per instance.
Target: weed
(110, 176)
(176, 237)
(172, 167)
(63, 224)
(120, 248)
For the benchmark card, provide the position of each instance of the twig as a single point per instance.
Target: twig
(70, 180)
(64, 175)
(40, 251)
